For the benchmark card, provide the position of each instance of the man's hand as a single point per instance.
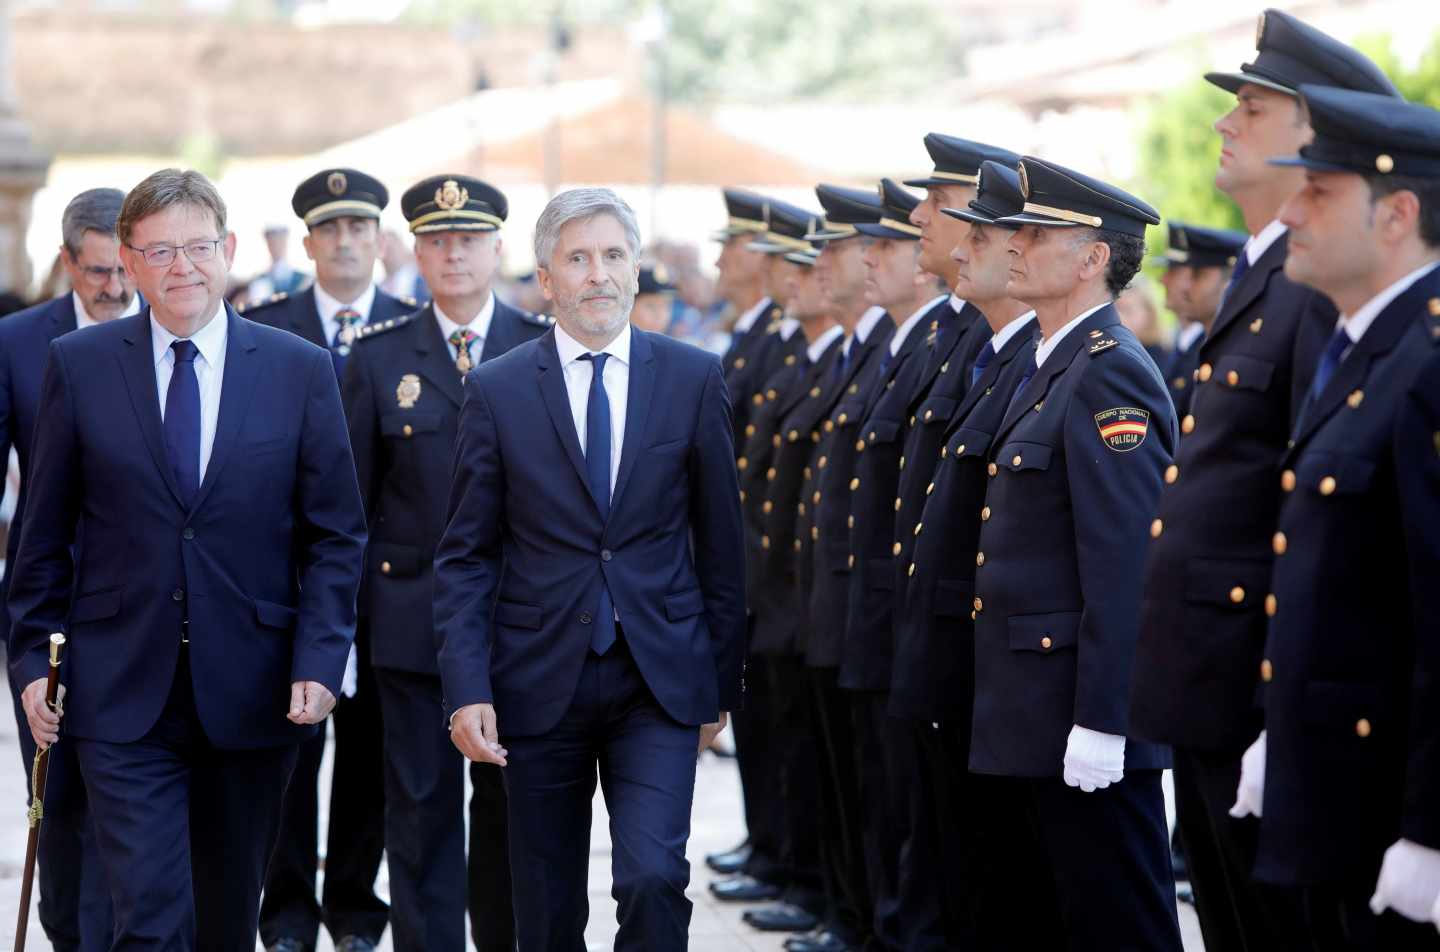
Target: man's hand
(475, 731)
(310, 702)
(708, 732)
(1250, 794)
(44, 723)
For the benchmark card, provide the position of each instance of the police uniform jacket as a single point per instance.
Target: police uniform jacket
(744, 362)
(754, 463)
(1351, 671)
(299, 314)
(1202, 618)
(827, 496)
(933, 677)
(1180, 375)
(865, 652)
(1075, 470)
(402, 397)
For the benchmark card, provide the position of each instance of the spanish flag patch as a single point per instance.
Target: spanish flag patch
(1123, 428)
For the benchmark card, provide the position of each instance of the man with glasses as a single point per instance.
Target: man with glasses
(74, 903)
(195, 528)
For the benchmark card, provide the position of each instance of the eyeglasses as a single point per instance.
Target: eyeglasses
(96, 275)
(162, 256)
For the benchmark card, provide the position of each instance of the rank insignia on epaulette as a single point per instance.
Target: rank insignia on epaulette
(1123, 428)
(277, 296)
(408, 391)
(1104, 343)
(408, 301)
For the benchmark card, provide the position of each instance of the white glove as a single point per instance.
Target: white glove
(350, 681)
(1435, 913)
(1250, 793)
(1409, 881)
(1093, 761)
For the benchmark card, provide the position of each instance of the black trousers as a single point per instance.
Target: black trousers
(850, 910)
(793, 748)
(1338, 919)
(764, 817)
(1104, 880)
(356, 835)
(959, 811)
(184, 829)
(431, 885)
(1235, 911)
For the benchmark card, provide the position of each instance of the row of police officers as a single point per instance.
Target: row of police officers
(1004, 569)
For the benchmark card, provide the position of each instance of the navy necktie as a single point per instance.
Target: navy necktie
(982, 360)
(182, 421)
(1024, 379)
(1329, 362)
(597, 473)
(1242, 266)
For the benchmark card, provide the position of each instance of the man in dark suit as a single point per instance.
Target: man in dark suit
(341, 210)
(589, 601)
(1075, 468)
(193, 524)
(74, 900)
(1346, 775)
(1202, 627)
(402, 393)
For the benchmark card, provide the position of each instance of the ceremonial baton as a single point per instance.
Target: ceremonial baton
(37, 794)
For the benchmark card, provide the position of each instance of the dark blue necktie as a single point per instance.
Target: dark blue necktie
(1024, 379)
(982, 360)
(597, 473)
(1242, 266)
(841, 363)
(1329, 362)
(182, 421)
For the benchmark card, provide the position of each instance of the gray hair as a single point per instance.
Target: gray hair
(580, 204)
(165, 189)
(94, 209)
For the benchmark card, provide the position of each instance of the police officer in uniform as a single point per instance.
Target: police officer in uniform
(402, 395)
(341, 211)
(1198, 263)
(1346, 775)
(932, 684)
(1074, 471)
(1202, 620)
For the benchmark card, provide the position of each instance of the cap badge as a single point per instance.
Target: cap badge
(450, 196)
(1384, 164)
(409, 390)
(1024, 181)
(336, 183)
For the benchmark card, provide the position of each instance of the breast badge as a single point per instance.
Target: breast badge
(408, 391)
(1123, 428)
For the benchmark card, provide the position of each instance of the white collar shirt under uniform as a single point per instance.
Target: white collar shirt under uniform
(83, 318)
(1358, 323)
(1003, 336)
(329, 307)
(616, 380)
(480, 327)
(1257, 245)
(1047, 348)
(745, 321)
(814, 351)
(903, 331)
(210, 343)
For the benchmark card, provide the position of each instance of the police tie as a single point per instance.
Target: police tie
(597, 473)
(841, 362)
(1242, 267)
(1329, 362)
(982, 360)
(461, 341)
(1024, 379)
(182, 421)
(349, 320)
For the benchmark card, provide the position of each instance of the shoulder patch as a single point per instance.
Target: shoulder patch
(1123, 428)
(380, 327)
(1102, 344)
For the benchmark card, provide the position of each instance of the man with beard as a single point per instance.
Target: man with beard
(1202, 630)
(74, 901)
(1198, 263)
(403, 396)
(341, 210)
(932, 686)
(589, 602)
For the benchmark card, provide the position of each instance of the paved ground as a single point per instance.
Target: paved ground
(715, 927)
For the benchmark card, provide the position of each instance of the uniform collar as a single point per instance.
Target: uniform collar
(208, 340)
(329, 306)
(570, 350)
(480, 327)
(1004, 335)
(904, 329)
(1188, 335)
(866, 325)
(1047, 348)
(817, 349)
(747, 320)
(1257, 245)
(1358, 323)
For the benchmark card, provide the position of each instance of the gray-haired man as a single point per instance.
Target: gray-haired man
(589, 588)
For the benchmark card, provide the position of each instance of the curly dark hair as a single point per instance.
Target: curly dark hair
(1126, 254)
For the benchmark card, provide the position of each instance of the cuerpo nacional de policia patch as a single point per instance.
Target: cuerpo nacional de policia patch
(1123, 428)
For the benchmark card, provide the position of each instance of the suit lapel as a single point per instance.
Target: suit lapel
(1056, 364)
(908, 349)
(242, 373)
(501, 335)
(1249, 288)
(62, 316)
(637, 409)
(434, 356)
(557, 403)
(1014, 348)
(137, 363)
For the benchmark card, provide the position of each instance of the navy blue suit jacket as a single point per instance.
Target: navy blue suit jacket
(519, 568)
(266, 561)
(299, 314)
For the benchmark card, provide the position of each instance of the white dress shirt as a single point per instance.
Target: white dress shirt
(1047, 347)
(83, 318)
(745, 321)
(1257, 245)
(903, 331)
(1188, 335)
(616, 381)
(957, 303)
(1001, 338)
(480, 327)
(210, 341)
(329, 307)
(864, 327)
(816, 349)
(788, 327)
(1358, 323)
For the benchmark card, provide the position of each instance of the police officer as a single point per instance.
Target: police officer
(1203, 619)
(1198, 263)
(1348, 767)
(907, 913)
(402, 395)
(1075, 468)
(653, 299)
(933, 677)
(341, 211)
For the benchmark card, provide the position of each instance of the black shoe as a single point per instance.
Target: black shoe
(730, 861)
(817, 940)
(287, 945)
(744, 889)
(354, 943)
(780, 917)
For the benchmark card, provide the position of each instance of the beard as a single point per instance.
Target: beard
(569, 308)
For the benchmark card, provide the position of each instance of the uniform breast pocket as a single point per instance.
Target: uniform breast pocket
(1044, 634)
(1018, 456)
(967, 443)
(1239, 372)
(881, 432)
(1335, 474)
(408, 426)
(935, 411)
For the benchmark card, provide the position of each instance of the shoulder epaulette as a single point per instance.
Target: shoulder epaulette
(407, 300)
(538, 320)
(380, 327)
(275, 298)
(1100, 342)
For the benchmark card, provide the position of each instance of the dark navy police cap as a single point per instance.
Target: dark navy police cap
(786, 226)
(745, 213)
(655, 279)
(1199, 247)
(453, 203)
(1367, 133)
(1293, 53)
(896, 204)
(338, 192)
(998, 196)
(844, 209)
(957, 161)
(1058, 197)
